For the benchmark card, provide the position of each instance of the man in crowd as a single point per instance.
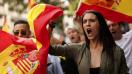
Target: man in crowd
(123, 40)
(22, 29)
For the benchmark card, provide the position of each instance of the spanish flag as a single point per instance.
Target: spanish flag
(125, 6)
(38, 17)
(114, 10)
(28, 56)
(15, 54)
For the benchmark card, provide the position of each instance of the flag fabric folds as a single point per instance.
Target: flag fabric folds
(15, 55)
(28, 56)
(125, 7)
(38, 17)
(113, 10)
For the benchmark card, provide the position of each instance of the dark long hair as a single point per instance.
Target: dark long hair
(105, 35)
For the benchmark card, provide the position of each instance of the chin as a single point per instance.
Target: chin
(90, 38)
(73, 41)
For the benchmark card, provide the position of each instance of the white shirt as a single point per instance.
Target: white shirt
(126, 44)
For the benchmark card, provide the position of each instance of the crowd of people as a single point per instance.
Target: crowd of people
(96, 46)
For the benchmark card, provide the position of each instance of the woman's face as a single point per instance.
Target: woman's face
(91, 26)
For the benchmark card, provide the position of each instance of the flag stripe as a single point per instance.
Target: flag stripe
(46, 13)
(125, 6)
(22, 66)
(34, 13)
(25, 64)
(50, 13)
(108, 14)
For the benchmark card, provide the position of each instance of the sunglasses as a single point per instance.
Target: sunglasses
(21, 32)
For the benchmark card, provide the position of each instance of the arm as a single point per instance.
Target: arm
(69, 50)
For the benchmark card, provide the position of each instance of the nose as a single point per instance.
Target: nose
(111, 28)
(70, 34)
(87, 23)
(20, 35)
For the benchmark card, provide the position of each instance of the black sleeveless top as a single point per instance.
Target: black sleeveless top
(94, 70)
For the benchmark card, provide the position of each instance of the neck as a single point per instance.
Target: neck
(119, 36)
(95, 44)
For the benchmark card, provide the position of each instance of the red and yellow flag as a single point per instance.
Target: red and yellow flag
(114, 10)
(15, 54)
(38, 17)
(26, 56)
(125, 7)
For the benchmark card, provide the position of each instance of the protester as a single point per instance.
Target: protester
(123, 40)
(73, 34)
(21, 29)
(99, 53)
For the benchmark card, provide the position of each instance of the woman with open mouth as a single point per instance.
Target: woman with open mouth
(98, 54)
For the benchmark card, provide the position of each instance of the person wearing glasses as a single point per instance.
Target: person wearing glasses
(22, 29)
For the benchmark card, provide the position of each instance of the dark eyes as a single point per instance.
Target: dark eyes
(84, 21)
(89, 20)
(22, 32)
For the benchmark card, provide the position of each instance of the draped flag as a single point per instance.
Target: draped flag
(38, 17)
(125, 7)
(28, 56)
(114, 10)
(15, 56)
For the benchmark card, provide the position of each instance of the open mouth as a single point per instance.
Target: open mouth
(89, 31)
(113, 32)
(72, 38)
